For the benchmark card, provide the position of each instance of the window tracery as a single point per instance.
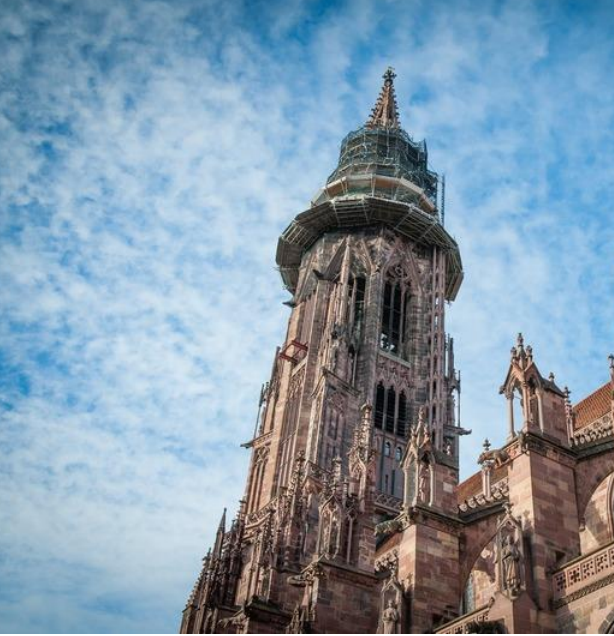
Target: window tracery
(356, 306)
(391, 410)
(395, 311)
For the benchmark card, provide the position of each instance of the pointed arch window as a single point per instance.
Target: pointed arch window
(356, 306)
(380, 401)
(391, 402)
(402, 415)
(393, 332)
(391, 411)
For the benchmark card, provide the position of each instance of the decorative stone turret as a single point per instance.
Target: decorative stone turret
(542, 403)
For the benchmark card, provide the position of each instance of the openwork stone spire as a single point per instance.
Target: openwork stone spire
(385, 113)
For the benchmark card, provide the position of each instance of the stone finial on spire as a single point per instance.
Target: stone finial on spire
(222, 526)
(569, 415)
(611, 359)
(522, 356)
(219, 537)
(385, 113)
(517, 352)
(520, 342)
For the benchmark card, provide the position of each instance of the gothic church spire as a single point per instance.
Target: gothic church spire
(385, 113)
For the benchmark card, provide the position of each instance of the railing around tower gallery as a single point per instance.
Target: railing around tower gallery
(582, 572)
(465, 624)
(388, 503)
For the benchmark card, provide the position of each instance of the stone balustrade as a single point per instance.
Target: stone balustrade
(389, 502)
(465, 624)
(583, 571)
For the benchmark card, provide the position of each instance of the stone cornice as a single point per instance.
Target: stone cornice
(471, 516)
(349, 570)
(529, 441)
(258, 441)
(595, 449)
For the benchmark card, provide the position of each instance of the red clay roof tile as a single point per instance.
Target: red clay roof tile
(593, 406)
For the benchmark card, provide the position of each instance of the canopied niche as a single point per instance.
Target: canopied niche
(500, 566)
(419, 466)
(393, 607)
(510, 557)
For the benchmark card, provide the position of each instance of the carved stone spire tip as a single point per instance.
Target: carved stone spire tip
(389, 75)
(385, 113)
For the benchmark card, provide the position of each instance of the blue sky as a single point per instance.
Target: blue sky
(153, 151)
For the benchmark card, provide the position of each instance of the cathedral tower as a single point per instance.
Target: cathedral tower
(357, 422)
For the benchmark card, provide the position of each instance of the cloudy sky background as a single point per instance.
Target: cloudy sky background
(151, 154)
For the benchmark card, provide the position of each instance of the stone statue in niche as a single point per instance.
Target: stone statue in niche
(510, 556)
(392, 604)
(390, 618)
(424, 483)
(334, 348)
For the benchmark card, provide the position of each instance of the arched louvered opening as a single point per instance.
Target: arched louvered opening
(395, 312)
(380, 402)
(402, 417)
(390, 410)
(356, 305)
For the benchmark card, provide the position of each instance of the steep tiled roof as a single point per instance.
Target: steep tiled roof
(593, 407)
(473, 485)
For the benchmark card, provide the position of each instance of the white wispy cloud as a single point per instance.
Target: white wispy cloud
(153, 152)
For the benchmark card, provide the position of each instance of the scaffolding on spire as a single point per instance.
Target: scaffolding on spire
(382, 149)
